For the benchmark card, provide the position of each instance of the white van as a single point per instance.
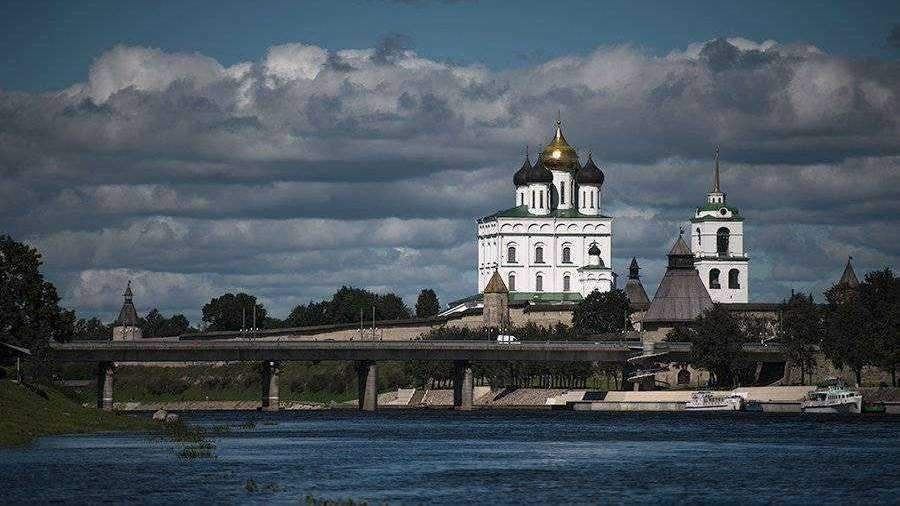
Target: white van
(507, 339)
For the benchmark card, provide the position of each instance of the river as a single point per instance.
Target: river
(483, 457)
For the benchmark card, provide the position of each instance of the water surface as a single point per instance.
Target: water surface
(483, 457)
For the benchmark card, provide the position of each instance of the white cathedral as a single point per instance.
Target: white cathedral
(555, 244)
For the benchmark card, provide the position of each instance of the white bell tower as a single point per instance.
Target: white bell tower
(717, 241)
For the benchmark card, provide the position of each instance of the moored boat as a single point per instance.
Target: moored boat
(832, 397)
(708, 401)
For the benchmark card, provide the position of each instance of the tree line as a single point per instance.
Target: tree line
(855, 328)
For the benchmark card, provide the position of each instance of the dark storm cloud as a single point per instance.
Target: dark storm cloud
(893, 38)
(310, 168)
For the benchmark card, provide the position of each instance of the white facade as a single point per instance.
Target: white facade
(530, 253)
(542, 244)
(717, 241)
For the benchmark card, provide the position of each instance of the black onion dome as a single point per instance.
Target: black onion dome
(594, 250)
(590, 173)
(519, 179)
(538, 174)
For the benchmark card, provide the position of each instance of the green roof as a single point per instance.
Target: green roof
(522, 212)
(715, 207)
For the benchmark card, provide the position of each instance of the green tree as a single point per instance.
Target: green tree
(230, 311)
(30, 315)
(718, 345)
(427, 304)
(155, 324)
(849, 338)
(602, 312)
(92, 329)
(800, 332)
(880, 293)
(391, 307)
(680, 334)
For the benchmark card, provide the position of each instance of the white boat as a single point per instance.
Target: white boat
(832, 397)
(708, 401)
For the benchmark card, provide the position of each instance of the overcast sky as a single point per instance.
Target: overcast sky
(286, 150)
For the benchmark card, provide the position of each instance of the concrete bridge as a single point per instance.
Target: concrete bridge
(365, 354)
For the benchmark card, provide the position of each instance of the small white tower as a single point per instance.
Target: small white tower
(717, 241)
(590, 181)
(126, 327)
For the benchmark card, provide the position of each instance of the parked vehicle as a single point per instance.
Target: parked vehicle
(832, 396)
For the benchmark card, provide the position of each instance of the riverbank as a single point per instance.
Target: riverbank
(30, 411)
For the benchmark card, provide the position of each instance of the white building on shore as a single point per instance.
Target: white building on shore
(555, 244)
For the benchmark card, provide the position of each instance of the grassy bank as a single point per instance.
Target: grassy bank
(32, 411)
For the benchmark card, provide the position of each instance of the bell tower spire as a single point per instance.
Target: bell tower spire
(716, 196)
(716, 185)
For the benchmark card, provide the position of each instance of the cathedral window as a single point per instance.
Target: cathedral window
(511, 282)
(714, 279)
(539, 255)
(521, 199)
(511, 254)
(533, 199)
(733, 281)
(722, 236)
(539, 283)
(699, 238)
(562, 193)
(566, 283)
(592, 200)
(541, 193)
(567, 255)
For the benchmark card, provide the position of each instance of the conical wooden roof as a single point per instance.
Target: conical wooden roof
(848, 278)
(681, 296)
(496, 284)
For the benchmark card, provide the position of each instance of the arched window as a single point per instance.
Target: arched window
(714, 278)
(733, 281)
(533, 199)
(539, 283)
(511, 254)
(567, 255)
(562, 193)
(511, 282)
(539, 255)
(521, 199)
(699, 238)
(592, 200)
(541, 193)
(722, 241)
(566, 283)
(684, 377)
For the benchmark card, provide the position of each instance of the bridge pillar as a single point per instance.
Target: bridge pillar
(463, 385)
(105, 372)
(270, 397)
(367, 375)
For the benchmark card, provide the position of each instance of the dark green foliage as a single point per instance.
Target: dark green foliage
(157, 325)
(427, 304)
(680, 334)
(800, 332)
(717, 345)
(849, 338)
(880, 293)
(30, 315)
(166, 386)
(230, 311)
(345, 306)
(92, 329)
(602, 312)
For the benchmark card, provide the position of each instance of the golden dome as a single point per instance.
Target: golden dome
(559, 155)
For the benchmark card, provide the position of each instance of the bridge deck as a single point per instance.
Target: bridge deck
(246, 350)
